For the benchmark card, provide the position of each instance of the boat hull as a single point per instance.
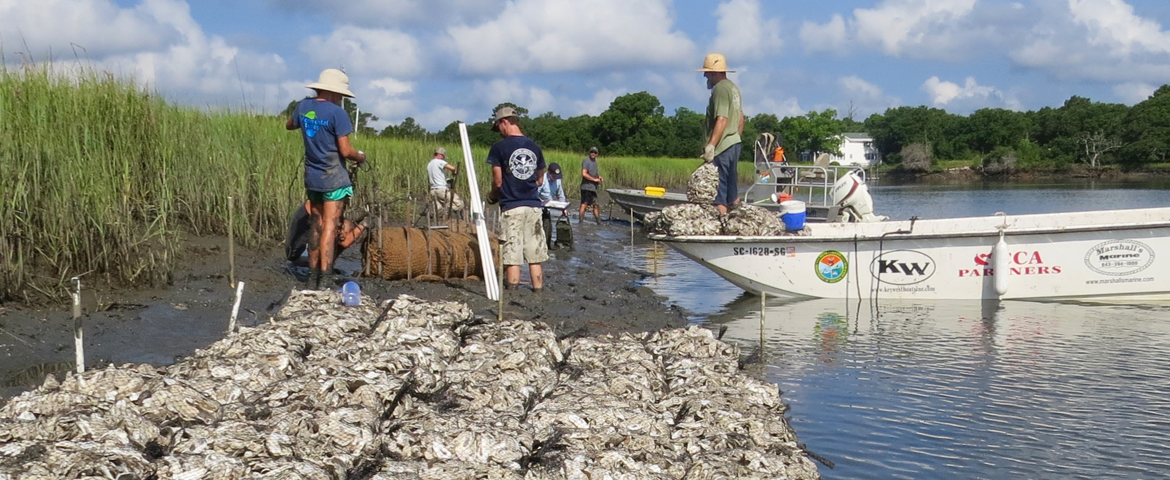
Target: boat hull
(1066, 255)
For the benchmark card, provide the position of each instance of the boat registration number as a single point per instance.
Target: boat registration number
(764, 251)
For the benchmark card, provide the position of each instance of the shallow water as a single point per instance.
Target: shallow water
(958, 389)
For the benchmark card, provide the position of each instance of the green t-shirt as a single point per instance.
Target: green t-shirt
(725, 102)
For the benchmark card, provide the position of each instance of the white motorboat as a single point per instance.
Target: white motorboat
(1089, 254)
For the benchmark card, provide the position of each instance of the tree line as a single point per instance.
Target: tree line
(1079, 132)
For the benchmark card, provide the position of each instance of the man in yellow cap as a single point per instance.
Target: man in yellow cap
(725, 122)
(325, 129)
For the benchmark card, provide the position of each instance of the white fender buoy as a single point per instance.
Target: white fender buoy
(999, 261)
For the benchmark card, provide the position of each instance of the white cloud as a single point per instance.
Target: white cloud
(157, 43)
(781, 107)
(497, 91)
(830, 37)
(396, 13)
(744, 33)
(932, 29)
(392, 87)
(598, 103)
(98, 27)
(1100, 40)
(567, 35)
(441, 116)
(1134, 92)
(969, 96)
(367, 51)
(865, 97)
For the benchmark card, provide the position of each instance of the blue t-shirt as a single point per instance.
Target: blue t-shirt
(521, 160)
(321, 124)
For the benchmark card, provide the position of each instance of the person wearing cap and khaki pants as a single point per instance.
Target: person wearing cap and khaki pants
(517, 175)
(725, 123)
(325, 129)
(441, 192)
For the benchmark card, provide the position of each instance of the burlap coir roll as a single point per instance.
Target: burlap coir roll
(452, 254)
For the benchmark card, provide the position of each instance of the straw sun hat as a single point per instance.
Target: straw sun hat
(715, 62)
(332, 80)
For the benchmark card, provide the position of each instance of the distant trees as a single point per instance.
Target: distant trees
(1079, 132)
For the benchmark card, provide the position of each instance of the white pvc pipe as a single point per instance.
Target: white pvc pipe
(236, 307)
(477, 215)
(78, 334)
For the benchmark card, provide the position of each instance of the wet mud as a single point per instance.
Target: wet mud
(588, 291)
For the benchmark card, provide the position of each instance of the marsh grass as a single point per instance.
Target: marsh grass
(101, 179)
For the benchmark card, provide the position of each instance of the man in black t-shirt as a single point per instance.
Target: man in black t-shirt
(517, 173)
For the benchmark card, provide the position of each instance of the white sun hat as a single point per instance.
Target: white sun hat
(332, 80)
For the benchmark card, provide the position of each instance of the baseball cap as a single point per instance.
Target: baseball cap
(554, 171)
(441, 151)
(502, 113)
(593, 150)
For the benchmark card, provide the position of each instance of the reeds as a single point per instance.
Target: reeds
(100, 178)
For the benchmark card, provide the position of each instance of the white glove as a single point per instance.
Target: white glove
(708, 153)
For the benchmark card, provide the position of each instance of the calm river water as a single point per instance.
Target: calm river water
(958, 389)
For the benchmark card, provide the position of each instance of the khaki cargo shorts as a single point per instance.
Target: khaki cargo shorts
(523, 236)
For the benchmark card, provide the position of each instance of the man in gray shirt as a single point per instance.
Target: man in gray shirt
(589, 183)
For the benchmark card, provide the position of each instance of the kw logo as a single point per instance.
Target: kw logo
(902, 267)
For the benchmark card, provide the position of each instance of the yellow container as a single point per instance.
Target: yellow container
(655, 191)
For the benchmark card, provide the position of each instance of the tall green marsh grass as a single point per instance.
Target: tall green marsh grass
(101, 179)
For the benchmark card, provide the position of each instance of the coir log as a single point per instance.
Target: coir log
(446, 254)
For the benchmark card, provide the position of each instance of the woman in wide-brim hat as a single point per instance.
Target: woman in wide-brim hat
(325, 129)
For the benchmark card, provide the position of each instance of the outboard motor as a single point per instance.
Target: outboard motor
(852, 196)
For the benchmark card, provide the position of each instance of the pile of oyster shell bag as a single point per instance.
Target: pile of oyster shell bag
(410, 389)
(699, 217)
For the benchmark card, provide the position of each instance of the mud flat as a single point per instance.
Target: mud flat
(408, 388)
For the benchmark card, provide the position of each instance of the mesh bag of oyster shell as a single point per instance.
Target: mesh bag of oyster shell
(687, 219)
(750, 220)
(704, 184)
(452, 254)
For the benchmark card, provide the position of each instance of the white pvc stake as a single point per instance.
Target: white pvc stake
(763, 306)
(231, 244)
(236, 307)
(485, 248)
(78, 336)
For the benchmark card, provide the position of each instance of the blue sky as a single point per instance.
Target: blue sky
(445, 60)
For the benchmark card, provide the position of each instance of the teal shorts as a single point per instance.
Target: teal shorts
(339, 194)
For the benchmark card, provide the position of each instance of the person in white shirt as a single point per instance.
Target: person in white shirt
(442, 189)
(552, 189)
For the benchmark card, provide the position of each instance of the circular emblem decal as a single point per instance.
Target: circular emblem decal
(1119, 257)
(831, 266)
(522, 163)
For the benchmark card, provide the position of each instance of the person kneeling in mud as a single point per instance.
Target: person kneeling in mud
(325, 129)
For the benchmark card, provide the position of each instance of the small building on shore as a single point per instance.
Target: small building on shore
(857, 149)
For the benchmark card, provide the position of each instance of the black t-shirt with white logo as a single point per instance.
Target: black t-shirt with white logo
(522, 162)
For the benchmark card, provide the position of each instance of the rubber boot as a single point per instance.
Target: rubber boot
(313, 282)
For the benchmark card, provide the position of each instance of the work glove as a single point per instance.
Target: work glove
(708, 153)
(493, 197)
(450, 183)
